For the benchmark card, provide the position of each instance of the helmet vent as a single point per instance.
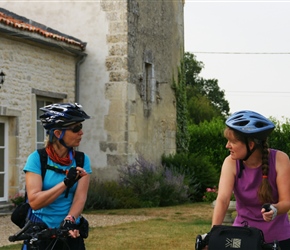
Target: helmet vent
(241, 123)
(260, 124)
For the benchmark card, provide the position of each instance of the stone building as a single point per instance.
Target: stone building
(133, 49)
(40, 66)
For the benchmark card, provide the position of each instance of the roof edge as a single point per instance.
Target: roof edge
(22, 23)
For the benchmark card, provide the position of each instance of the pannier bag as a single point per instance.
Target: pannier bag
(222, 237)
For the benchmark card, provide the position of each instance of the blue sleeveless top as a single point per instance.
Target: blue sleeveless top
(249, 207)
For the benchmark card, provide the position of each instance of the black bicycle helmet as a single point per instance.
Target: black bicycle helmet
(251, 124)
(60, 115)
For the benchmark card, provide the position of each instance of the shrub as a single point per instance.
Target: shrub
(173, 191)
(154, 185)
(100, 195)
(207, 140)
(197, 170)
(17, 199)
(211, 194)
(141, 184)
(280, 137)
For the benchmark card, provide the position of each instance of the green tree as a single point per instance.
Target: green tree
(192, 69)
(199, 107)
(202, 93)
(212, 90)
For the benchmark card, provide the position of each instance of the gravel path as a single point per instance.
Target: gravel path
(7, 228)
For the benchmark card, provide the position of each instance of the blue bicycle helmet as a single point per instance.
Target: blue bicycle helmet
(251, 124)
(59, 115)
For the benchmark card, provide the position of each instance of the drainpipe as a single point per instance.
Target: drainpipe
(80, 60)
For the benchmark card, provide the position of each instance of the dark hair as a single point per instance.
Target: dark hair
(265, 189)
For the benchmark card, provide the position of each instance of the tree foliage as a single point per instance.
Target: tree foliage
(205, 98)
(280, 137)
(207, 139)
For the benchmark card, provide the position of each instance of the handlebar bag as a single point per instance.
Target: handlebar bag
(223, 237)
(19, 215)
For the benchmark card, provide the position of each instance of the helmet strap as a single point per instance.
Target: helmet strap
(51, 135)
(70, 149)
(249, 151)
(61, 140)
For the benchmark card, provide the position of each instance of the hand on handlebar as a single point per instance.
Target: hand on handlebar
(70, 226)
(269, 212)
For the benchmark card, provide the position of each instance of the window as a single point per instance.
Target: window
(149, 84)
(40, 131)
(43, 98)
(148, 77)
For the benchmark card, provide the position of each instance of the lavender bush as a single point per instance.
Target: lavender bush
(154, 185)
(110, 195)
(141, 184)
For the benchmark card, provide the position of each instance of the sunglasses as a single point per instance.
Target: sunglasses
(76, 128)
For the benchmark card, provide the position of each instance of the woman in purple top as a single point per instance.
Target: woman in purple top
(257, 175)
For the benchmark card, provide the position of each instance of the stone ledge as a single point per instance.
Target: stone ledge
(6, 208)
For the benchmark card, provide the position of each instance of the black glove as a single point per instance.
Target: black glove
(71, 178)
(68, 224)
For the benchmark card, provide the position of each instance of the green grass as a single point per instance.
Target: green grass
(171, 228)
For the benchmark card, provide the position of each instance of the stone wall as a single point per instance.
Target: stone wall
(123, 37)
(31, 69)
(154, 35)
(156, 40)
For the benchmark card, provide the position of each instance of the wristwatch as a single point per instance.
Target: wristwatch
(274, 209)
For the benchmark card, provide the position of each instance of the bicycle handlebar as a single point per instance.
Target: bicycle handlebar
(15, 237)
(34, 231)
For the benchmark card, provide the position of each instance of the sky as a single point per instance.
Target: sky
(245, 45)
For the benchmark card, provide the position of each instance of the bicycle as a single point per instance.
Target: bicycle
(202, 241)
(236, 236)
(35, 233)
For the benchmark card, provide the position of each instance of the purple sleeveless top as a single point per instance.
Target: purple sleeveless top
(249, 207)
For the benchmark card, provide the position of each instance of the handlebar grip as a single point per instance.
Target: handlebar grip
(14, 238)
(20, 234)
(266, 206)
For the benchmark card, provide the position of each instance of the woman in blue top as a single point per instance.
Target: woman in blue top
(59, 199)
